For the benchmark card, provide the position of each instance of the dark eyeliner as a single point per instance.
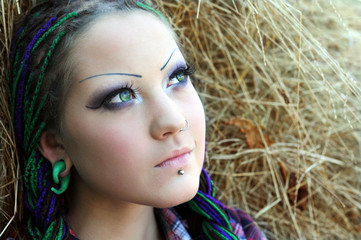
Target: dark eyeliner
(187, 70)
(102, 98)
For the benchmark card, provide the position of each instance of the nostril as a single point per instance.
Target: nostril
(167, 134)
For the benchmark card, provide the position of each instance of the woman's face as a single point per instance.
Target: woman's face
(130, 98)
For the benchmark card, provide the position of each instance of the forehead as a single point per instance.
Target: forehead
(128, 22)
(121, 40)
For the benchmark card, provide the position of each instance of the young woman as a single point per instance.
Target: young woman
(110, 129)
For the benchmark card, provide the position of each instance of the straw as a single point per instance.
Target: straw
(277, 79)
(280, 84)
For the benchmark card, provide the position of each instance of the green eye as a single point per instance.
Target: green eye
(125, 95)
(177, 77)
(180, 77)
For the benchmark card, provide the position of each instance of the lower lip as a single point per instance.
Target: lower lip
(178, 161)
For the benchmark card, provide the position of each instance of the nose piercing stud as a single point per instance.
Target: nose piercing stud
(180, 172)
(186, 126)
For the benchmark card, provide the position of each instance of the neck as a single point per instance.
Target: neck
(94, 217)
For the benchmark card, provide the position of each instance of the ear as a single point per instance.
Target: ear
(52, 148)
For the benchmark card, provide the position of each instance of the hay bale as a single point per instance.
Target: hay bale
(278, 81)
(283, 116)
(10, 187)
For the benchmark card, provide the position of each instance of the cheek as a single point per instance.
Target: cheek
(196, 117)
(103, 150)
(101, 138)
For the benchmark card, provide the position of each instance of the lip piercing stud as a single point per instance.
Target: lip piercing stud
(186, 126)
(180, 172)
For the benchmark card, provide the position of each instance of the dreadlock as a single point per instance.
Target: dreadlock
(32, 52)
(37, 86)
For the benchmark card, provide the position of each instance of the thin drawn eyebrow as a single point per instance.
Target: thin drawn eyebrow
(168, 59)
(110, 74)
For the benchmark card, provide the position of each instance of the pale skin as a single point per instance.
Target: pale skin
(117, 145)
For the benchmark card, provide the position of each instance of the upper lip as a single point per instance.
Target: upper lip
(177, 153)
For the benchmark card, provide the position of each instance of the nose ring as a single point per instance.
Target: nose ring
(186, 126)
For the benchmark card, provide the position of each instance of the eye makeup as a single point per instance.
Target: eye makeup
(179, 75)
(105, 97)
(122, 95)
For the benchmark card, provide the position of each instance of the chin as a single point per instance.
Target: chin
(182, 195)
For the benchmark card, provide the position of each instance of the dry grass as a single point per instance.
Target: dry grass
(9, 167)
(283, 117)
(281, 88)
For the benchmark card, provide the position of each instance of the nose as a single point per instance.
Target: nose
(168, 118)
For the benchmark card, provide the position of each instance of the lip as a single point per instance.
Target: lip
(177, 158)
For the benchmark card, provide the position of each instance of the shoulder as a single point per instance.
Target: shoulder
(243, 225)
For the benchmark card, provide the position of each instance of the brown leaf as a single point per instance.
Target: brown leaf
(253, 136)
(358, 228)
(240, 122)
(302, 191)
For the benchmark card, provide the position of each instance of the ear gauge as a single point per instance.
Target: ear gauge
(64, 181)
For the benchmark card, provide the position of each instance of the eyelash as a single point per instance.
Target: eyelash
(186, 71)
(106, 101)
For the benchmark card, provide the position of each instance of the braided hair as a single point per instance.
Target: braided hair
(38, 83)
